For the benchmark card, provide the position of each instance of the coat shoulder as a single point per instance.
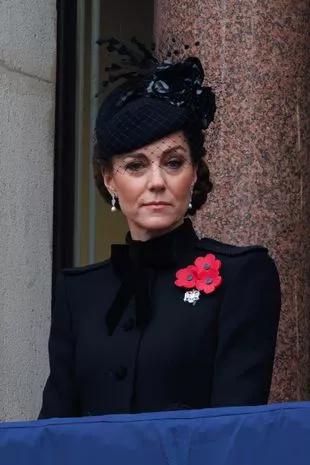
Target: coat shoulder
(229, 250)
(82, 270)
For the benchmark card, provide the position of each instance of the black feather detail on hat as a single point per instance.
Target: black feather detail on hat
(155, 99)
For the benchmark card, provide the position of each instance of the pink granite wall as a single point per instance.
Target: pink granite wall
(257, 58)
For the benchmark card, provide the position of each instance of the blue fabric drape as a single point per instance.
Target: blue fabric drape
(278, 434)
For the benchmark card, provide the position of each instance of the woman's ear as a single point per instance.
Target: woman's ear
(195, 174)
(108, 181)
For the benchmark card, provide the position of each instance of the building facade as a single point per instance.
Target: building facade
(257, 58)
(27, 101)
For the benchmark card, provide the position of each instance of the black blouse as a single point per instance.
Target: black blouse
(124, 340)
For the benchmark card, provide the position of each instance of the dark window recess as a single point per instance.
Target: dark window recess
(63, 222)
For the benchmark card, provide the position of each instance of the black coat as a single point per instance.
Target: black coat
(123, 340)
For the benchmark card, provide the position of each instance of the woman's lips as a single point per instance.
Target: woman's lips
(156, 205)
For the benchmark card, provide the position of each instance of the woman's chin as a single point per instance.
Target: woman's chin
(160, 224)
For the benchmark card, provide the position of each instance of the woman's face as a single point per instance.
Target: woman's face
(153, 185)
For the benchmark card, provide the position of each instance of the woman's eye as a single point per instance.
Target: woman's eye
(135, 166)
(175, 163)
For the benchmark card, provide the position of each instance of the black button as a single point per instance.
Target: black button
(120, 373)
(129, 324)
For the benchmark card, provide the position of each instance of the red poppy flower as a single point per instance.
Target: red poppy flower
(187, 277)
(208, 281)
(203, 276)
(209, 262)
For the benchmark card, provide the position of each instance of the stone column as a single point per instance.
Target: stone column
(27, 85)
(257, 58)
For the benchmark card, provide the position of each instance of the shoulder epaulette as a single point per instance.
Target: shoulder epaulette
(211, 245)
(85, 269)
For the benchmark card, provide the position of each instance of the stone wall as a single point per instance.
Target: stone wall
(27, 101)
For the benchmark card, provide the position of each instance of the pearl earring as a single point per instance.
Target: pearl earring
(190, 205)
(113, 202)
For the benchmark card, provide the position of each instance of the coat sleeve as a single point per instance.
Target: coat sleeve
(58, 394)
(247, 330)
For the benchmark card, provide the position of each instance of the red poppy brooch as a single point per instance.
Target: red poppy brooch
(203, 276)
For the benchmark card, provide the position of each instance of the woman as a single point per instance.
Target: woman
(169, 321)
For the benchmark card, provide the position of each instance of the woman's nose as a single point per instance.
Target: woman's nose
(156, 179)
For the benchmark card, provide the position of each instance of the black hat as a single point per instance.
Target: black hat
(153, 102)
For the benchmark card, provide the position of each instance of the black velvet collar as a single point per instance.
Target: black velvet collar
(136, 263)
(162, 252)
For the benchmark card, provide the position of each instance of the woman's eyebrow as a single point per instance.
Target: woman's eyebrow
(174, 148)
(143, 155)
(134, 155)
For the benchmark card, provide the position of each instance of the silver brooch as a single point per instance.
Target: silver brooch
(191, 296)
